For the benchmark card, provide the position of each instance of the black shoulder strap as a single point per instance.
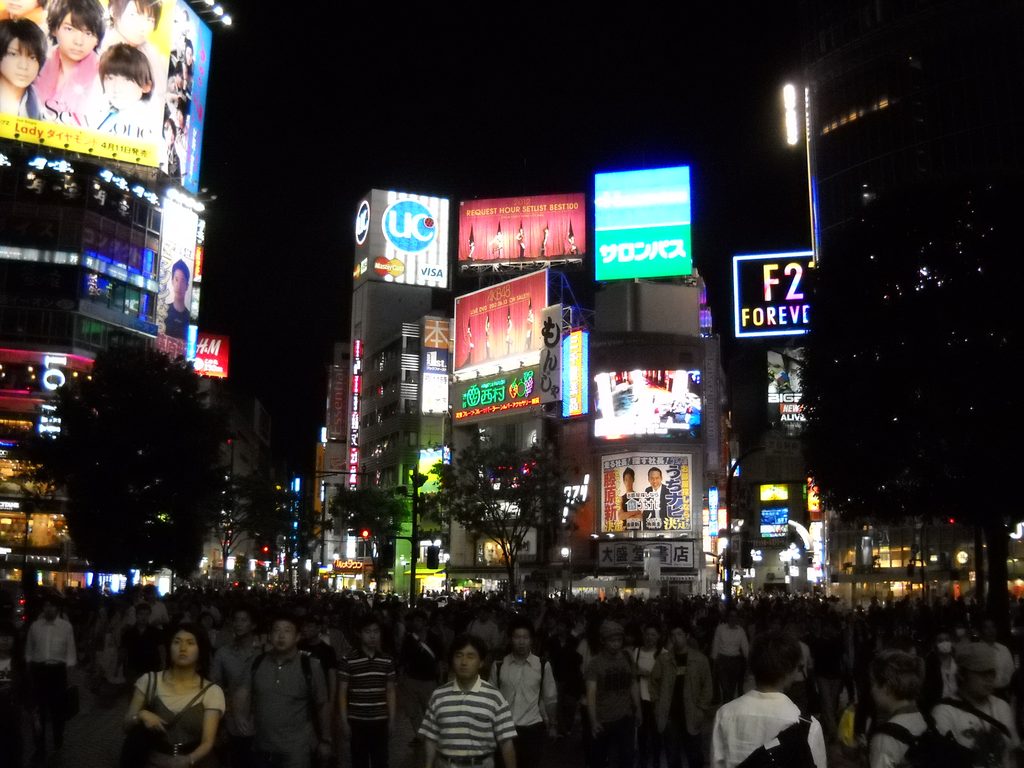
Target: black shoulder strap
(497, 673)
(895, 730)
(540, 690)
(257, 661)
(963, 706)
(307, 672)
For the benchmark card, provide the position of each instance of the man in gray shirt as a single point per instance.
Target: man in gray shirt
(232, 669)
(288, 701)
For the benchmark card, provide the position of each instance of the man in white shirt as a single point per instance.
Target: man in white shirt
(529, 687)
(1003, 658)
(729, 650)
(976, 718)
(758, 717)
(49, 652)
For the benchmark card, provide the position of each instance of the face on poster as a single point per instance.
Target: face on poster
(500, 322)
(665, 403)
(177, 264)
(646, 493)
(785, 390)
(522, 230)
(94, 76)
(188, 74)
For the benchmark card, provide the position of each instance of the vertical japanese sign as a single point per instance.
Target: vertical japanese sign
(551, 355)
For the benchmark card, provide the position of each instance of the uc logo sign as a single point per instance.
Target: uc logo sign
(409, 226)
(362, 222)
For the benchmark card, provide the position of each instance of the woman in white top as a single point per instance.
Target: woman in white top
(178, 708)
(648, 742)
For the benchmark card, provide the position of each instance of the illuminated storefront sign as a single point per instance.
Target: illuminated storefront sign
(813, 501)
(713, 511)
(434, 380)
(642, 224)
(576, 374)
(402, 238)
(496, 394)
(212, 355)
(551, 354)
(353, 433)
(668, 554)
(771, 293)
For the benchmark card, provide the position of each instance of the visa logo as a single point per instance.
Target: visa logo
(429, 271)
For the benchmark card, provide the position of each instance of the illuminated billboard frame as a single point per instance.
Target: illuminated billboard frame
(631, 502)
(212, 355)
(522, 231)
(81, 117)
(774, 522)
(502, 324)
(770, 293)
(642, 224)
(178, 239)
(576, 374)
(664, 403)
(402, 238)
(785, 389)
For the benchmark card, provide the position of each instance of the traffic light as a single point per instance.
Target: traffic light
(386, 550)
(364, 534)
(433, 557)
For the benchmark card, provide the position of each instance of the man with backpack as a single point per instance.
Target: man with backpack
(528, 685)
(976, 718)
(287, 697)
(896, 679)
(763, 727)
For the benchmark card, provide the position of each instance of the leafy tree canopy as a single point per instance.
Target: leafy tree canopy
(138, 458)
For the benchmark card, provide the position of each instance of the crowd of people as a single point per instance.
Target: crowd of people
(243, 678)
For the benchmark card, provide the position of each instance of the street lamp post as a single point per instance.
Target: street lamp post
(733, 558)
(566, 553)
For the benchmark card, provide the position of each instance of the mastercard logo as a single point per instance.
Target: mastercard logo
(383, 266)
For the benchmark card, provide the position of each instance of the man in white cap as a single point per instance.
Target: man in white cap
(975, 717)
(613, 700)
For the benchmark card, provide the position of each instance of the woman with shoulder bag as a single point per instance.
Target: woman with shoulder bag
(173, 716)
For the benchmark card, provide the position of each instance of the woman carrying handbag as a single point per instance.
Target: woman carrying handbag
(173, 716)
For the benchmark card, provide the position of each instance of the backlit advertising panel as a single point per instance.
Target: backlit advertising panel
(661, 403)
(177, 264)
(774, 522)
(435, 365)
(772, 293)
(642, 224)
(125, 81)
(337, 403)
(402, 238)
(551, 355)
(212, 355)
(501, 322)
(785, 390)
(495, 395)
(541, 230)
(576, 373)
(646, 493)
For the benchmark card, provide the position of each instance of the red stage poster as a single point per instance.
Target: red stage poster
(500, 322)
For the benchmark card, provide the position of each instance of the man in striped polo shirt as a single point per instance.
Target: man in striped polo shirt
(366, 698)
(468, 719)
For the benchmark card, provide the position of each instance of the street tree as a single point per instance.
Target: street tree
(501, 493)
(252, 507)
(137, 456)
(911, 399)
(377, 510)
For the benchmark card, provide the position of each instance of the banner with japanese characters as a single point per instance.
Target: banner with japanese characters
(649, 493)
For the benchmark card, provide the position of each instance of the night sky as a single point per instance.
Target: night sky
(306, 112)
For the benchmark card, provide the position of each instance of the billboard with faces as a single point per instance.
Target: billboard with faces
(104, 77)
(645, 492)
(175, 305)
